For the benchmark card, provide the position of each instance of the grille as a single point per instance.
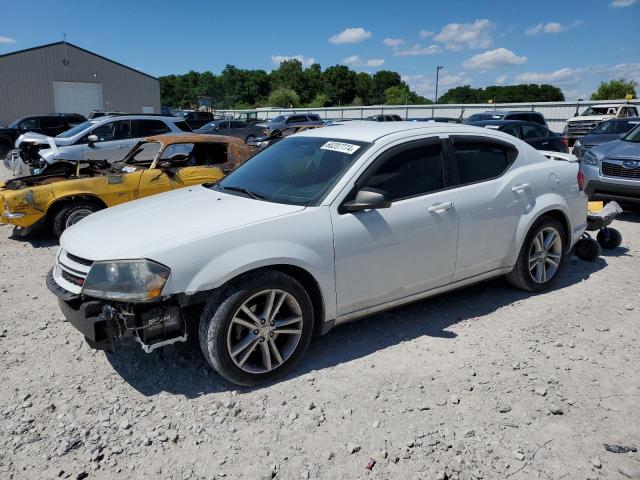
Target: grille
(81, 261)
(71, 278)
(614, 170)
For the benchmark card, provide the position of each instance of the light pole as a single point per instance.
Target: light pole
(438, 68)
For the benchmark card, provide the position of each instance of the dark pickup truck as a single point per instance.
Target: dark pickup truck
(49, 125)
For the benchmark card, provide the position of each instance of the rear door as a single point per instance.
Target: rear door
(494, 189)
(114, 141)
(238, 129)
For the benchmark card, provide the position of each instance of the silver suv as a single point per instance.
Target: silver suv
(106, 138)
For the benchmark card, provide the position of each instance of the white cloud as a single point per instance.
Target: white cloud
(500, 57)
(7, 40)
(417, 50)
(393, 42)
(356, 61)
(425, 33)
(551, 27)
(457, 36)
(502, 79)
(350, 35)
(426, 84)
(563, 76)
(622, 3)
(278, 59)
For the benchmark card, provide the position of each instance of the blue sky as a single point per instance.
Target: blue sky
(573, 44)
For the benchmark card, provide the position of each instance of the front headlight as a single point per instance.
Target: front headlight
(126, 280)
(589, 158)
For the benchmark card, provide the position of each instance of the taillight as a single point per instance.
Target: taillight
(580, 180)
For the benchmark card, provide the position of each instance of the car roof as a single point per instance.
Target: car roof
(366, 131)
(497, 122)
(174, 138)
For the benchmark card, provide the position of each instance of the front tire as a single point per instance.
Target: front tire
(256, 329)
(71, 213)
(541, 256)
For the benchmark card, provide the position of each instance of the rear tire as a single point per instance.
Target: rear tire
(609, 238)
(239, 333)
(541, 256)
(71, 213)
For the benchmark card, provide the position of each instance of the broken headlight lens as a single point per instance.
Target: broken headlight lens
(126, 280)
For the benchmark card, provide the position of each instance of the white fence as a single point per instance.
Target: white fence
(556, 113)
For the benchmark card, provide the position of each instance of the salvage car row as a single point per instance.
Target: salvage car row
(282, 238)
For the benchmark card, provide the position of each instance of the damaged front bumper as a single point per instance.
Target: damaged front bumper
(106, 325)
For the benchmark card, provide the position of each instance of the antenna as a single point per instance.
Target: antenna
(65, 61)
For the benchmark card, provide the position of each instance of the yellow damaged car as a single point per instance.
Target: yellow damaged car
(66, 192)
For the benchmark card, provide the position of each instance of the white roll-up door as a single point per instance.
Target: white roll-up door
(77, 97)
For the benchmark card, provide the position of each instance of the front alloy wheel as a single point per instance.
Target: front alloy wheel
(257, 327)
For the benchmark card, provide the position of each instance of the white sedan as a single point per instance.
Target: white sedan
(324, 227)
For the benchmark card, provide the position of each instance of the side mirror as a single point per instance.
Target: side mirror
(91, 139)
(366, 199)
(164, 165)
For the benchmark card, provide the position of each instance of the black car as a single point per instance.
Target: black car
(525, 116)
(50, 125)
(435, 119)
(384, 118)
(539, 137)
(608, 131)
(197, 119)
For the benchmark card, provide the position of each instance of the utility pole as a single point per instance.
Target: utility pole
(438, 68)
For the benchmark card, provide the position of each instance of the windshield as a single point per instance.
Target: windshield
(598, 111)
(615, 126)
(478, 117)
(77, 129)
(633, 135)
(15, 124)
(295, 171)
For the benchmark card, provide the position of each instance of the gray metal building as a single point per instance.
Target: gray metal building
(61, 77)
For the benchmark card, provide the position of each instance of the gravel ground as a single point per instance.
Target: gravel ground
(487, 382)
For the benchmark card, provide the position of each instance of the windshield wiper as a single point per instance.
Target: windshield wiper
(255, 196)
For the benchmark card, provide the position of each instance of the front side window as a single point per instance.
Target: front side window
(118, 130)
(410, 172)
(30, 124)
(477, 160)
(51, 122)
(296, 170)
(511, 130)
(236, 124)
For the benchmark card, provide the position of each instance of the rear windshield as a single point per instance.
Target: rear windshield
(184, 126)
(479, 117)
(615, 126)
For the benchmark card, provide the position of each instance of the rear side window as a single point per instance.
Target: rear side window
(296, 119)
(51, 122)
(478, 159)
(30, 124)
(314, 118)
(531, 131)
(184, 126)
(411, 172)
(148, 128)
(511, 130)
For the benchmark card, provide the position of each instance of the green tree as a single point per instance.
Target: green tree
(339, 84)
(364, 88)
(402, 95)
(615, 90)
(288, 75)
(284, 97)
(382, 80)
(313, 83)
(503, 94)
(321, 100)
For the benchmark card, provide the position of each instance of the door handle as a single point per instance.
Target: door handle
(440, 207)
(520, 188)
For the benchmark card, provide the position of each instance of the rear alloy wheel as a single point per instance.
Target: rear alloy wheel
(256, 329)
(72, 213)
(541, 256)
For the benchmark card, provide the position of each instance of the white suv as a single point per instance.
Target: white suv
(324, 227)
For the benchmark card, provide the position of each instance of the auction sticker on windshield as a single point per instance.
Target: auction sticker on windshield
(341, 147)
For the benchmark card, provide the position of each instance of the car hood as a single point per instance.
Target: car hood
(598, 139)
(618, 149)
(44, 139)
(592, 118)
(143, 227)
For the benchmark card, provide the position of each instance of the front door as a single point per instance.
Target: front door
(114, 142)
(387, 254)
